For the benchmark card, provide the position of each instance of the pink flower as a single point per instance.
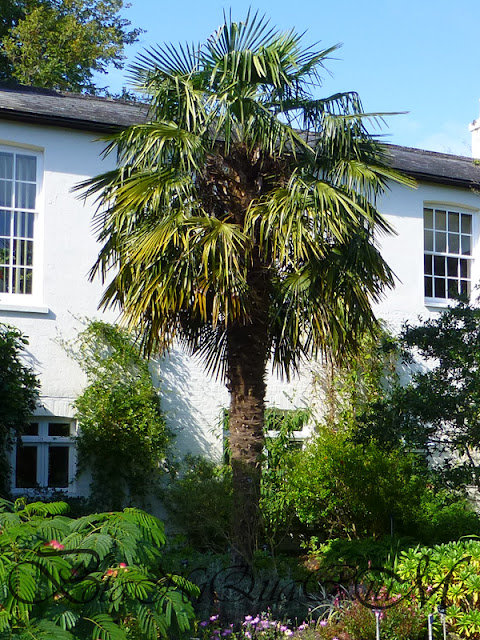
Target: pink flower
(323, 623)
(56, 545)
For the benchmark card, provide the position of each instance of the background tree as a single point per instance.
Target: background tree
(229, 229)
(438, 411)
(18, 393)
(59, 44)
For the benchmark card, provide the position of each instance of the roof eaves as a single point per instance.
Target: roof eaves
(60, 121)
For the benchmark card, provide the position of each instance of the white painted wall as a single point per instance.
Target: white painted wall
(403, 207)
(65, 250)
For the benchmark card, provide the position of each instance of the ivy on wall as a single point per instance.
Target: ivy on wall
(123, 435)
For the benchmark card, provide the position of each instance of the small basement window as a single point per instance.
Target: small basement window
(45, 458)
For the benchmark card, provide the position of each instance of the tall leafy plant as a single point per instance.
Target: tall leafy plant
(123, 435)
(96, 576)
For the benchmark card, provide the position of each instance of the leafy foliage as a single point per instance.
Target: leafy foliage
(339, 488)
(96, 576)
(59, 44)
(199, 502)
(123, 435)
(18, 392)
(281, 453)
(445, 575)
(438, 411)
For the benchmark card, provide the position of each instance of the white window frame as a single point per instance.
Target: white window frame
(29, 302)
(43, 442)
(432, 250)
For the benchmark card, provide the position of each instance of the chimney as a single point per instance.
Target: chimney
(475, 131)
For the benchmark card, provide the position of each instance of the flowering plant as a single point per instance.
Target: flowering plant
(259, 627)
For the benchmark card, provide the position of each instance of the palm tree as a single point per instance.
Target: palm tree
(240, 220)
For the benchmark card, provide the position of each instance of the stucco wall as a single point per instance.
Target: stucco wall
(403, 207)
(65, 250)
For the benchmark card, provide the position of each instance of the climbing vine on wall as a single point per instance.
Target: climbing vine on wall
(123, 435)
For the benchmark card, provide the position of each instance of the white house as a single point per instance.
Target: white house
(49, 142)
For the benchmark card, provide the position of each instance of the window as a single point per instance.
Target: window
(448, 240)
(45, 458)
(18, 196)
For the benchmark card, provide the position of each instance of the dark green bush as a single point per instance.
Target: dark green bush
(341, 489)
(199, 503)
(445, 516)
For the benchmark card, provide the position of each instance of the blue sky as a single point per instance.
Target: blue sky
(400, 55)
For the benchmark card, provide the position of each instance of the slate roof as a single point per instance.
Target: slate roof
(75, 111)
(71, 110)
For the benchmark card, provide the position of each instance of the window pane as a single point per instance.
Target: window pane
(31, 430)
(4, 275)
(429, 287)
(25, 195)
(453, 243)
(439, 265)
(452, 267)
(26, 467)
(428, 239)
(452, 288)
(466, 245)
(5, 223)
(58, 467)
(439, 288)
(59, 429)
(23, 224)
(6, 165)
(428, 218)
(453, 221)
(428, 265)
(26, 168)
(22, 280)
(5, 193)
(22, 252)
(440, 220)
(464, 268)
(4, 251)
(466, 223)
(464, 287)
(440, 242)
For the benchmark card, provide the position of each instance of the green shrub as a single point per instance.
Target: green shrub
(341, 489)
(445, 516)
(95, 576)
(123, 435)
(199, 502)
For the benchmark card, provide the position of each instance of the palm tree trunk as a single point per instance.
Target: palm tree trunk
(247, 357)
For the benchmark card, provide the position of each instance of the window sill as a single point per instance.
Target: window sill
(24, 308)
(439, 304)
